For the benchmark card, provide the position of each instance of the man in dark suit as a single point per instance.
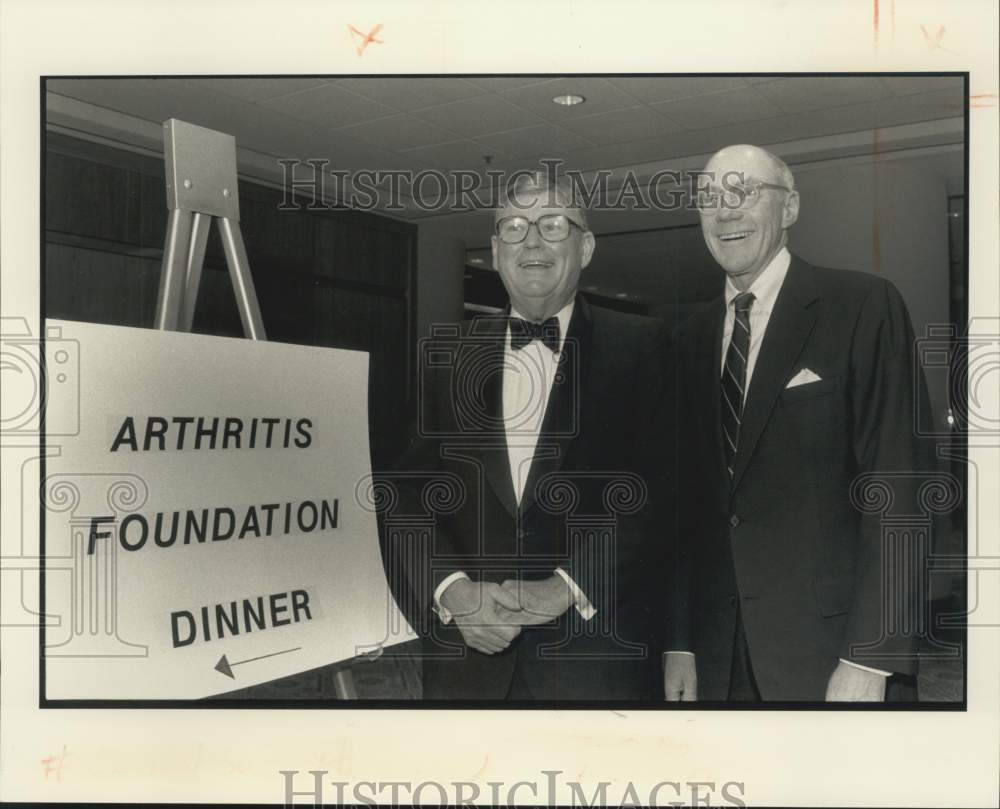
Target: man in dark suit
(539, 580)
(797, 384)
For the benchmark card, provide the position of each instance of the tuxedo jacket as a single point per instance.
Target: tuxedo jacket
(582, 510)
(799, 540)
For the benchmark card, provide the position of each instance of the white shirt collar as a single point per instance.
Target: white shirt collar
(563, 316)
(767, 285)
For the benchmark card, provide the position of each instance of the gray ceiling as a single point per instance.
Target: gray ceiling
(627, 123)
(454, 123)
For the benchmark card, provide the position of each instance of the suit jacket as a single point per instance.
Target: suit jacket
(795, 540)
(581, 508)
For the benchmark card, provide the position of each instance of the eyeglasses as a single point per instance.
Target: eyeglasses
(735, 197)
(552, 227)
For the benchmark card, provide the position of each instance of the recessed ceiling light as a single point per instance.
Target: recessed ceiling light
(621, 295)
(568, 100)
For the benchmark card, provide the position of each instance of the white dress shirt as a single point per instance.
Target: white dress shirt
(765, 289)
(528, 375)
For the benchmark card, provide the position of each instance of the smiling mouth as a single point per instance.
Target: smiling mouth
(535, 265)
(737, 236)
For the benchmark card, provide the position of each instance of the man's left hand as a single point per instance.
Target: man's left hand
(851, 684)
(541, 601)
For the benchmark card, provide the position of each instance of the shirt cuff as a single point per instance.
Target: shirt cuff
(442, 613)
(866, 668)
(583, 605)
(678, 652)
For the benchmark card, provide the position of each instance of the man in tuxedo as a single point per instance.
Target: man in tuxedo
(797, 383)
(539, 575)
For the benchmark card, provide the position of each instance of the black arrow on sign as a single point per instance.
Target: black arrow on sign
(225, 667)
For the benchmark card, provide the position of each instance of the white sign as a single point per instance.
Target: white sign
(201, 523)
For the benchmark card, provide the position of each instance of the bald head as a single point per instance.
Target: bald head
(758, 162)
(744, 237)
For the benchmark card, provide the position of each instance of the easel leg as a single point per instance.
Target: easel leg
(184, 250)
(195, 263)
(239, 273)
(175, 256)
(343, 685)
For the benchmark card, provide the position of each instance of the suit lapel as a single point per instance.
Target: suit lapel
(561, 423)
(791, 321)
(709, 364)
(488, 346)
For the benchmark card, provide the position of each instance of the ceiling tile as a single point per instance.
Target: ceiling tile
(820, 92)
(329, 106)
(344, 153)
(411, 93)
(459, 154)
(718, 109)
(766, 132)
(670, 88)
(613, 155)
(600, 95)
(398, 132)
(906, 85)
(153, 99)
(830, 121)
(663, 149)
(877, 114)
(622, 126)
(534, 140)
(256, 90)
(254, 127)
(478, 116)
(924, 107)
(376, 136)
(497, 84)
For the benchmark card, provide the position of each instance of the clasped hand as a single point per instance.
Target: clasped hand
(490, 615)
(538, 602)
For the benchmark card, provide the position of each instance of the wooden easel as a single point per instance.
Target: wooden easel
(202, 188)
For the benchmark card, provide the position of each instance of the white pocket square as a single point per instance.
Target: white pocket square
(803, 377)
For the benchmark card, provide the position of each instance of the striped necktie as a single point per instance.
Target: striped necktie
(734, 376)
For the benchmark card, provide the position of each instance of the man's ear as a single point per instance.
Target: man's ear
(493, 244)
(790, 212)
(587, 246)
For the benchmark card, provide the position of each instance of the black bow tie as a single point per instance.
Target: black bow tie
(523, 332)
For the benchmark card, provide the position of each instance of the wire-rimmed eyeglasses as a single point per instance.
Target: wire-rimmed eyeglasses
(740, 196)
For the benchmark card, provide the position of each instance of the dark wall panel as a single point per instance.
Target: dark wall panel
(99, 286)
(341, 279)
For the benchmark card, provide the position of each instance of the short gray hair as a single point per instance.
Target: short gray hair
(561, 190)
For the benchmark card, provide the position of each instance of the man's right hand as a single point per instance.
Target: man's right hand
(680, 680)
(473, 607)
